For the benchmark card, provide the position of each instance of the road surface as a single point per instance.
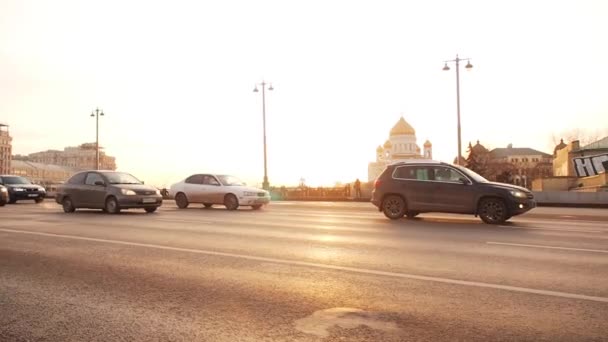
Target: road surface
(301, 271)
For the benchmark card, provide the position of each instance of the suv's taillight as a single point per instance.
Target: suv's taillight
(377, 183)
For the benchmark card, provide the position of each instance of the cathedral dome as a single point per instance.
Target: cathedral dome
(379, 149)
(427, 144)
(402, 128)
(388, 144)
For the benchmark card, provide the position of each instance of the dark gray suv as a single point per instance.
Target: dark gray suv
(413, 187)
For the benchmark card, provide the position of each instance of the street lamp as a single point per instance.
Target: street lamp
(468, 67)
(265, 184)
(97, 113)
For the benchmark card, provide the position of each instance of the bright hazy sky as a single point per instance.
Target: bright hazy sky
(175, 79)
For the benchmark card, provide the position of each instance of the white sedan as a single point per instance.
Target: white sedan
(210, 189)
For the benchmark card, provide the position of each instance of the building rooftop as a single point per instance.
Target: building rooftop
(602, 143)
(40, 166)
(509, 151)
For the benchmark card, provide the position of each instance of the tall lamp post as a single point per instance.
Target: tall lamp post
(97, 113)
(265, 184)
(468, 67)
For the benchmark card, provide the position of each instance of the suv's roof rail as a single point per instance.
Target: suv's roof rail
(416, 161)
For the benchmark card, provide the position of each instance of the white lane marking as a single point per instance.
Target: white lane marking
(547, 247)
(553, 229)
(324, 266)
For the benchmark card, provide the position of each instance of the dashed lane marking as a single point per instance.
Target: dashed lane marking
(547, 247)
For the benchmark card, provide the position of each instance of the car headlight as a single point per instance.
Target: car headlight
(127, 192)
(158, 192)
(18, 189)
(42, 189)
(518, 194)
(249, 193)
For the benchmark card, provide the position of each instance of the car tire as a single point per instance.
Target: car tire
(256, 207)
(2, 203)
(231, 202)
(411, 214)
(394, 207)
(207, 205)
(150, 210)
(39, 200)
(493, 211)
(68, 205)
(181, 200)
(112, 206)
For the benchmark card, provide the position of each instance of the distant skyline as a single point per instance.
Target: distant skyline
(175, 80)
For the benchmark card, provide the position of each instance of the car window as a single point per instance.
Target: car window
(228, 180)
(121, 178)
(15, 180)
(446, 174)
(92, 178)
(210, 180)
(195, 179)
(412, 172)
(77, 178)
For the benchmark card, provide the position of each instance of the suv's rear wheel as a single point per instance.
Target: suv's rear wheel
(493, 211)
(394, 207)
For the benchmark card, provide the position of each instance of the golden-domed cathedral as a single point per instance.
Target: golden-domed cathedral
(401, 145)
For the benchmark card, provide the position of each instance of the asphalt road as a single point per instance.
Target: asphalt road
(301, 271)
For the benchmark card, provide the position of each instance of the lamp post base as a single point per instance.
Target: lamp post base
(265, 184)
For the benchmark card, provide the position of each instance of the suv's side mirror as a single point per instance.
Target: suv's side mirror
(464, 181)
(99, 183)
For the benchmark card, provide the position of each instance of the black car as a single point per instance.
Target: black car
(3, 195)
(413, 187)
(20, 188)
(110, 191)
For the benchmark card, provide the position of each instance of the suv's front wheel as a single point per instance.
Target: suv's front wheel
(493, 211)
(394, 207)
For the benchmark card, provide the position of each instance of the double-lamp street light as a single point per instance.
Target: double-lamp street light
(468, 67)
(97, 113)
(265, 184)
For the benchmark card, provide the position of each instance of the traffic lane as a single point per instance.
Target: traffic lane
(573, 213)
(562, 214)
(457, 259)
(456, 252)
(78, 290)
(363, 230)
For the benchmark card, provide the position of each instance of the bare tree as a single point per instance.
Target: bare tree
(584, 136)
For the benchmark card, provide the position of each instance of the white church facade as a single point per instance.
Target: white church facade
(401, 145)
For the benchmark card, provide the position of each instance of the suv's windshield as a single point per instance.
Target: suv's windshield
(15, 180)
(478, 178)
(229, 180)
(121, 178)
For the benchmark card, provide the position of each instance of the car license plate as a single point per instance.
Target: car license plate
(149, 200)
(32, 195)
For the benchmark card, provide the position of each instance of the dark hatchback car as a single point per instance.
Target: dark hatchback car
(3, 195)
(413, 187)
(20, 188)
(110, 191)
